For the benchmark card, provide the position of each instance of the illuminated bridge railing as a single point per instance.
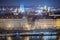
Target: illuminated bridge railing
(9, 24)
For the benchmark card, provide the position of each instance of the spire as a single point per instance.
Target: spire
(22, 8)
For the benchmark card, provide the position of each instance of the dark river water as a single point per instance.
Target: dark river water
(30, 38)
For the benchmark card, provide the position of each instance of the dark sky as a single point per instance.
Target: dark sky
(53, 3)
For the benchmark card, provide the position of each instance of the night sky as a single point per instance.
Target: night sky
(30, 3)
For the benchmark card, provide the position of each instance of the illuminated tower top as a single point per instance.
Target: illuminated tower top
(22, 8)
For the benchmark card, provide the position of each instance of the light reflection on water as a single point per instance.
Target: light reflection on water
(17, 37)
(30, 38)
(9, 38)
